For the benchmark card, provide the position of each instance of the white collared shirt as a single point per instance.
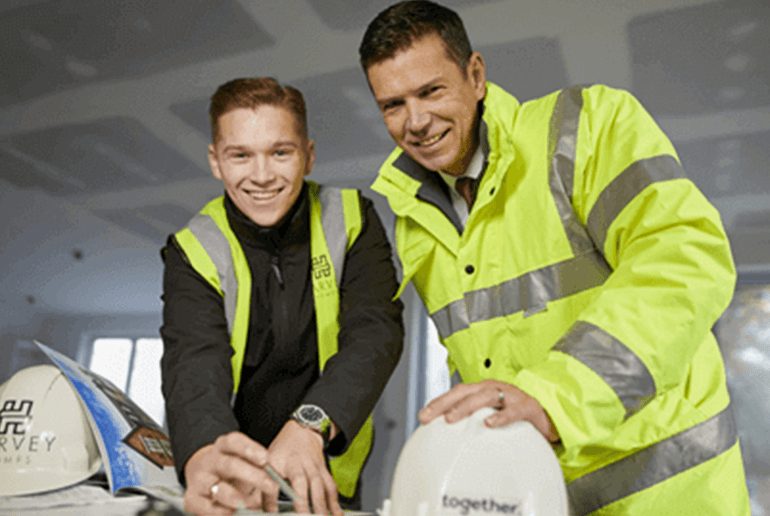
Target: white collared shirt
(474, 170)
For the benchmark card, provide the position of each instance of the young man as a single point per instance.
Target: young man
(270, 284)
(571, 269)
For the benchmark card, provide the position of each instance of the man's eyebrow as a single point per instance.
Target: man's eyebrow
(284, 143)
(234, 147)
(243, 148)
(428, 84)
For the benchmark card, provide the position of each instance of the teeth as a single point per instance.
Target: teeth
(431, 140)
(264, 195)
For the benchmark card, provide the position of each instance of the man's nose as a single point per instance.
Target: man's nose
(260, 172)
(418, 117)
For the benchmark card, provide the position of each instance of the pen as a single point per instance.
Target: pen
(285, 487)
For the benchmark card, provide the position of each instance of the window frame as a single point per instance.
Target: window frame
(86, 352)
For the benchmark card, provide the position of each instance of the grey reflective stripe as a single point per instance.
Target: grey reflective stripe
(624, 188)
(654, 464)
(562, 143)
(615, 363)
(529, 292)
(217, 247)
(451, 319)
(333, 222)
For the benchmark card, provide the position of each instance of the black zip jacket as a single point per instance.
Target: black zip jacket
(280, 369)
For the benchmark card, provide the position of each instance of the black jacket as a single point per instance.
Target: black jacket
(280, 369)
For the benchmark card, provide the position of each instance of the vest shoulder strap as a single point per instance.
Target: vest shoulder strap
(340, 211)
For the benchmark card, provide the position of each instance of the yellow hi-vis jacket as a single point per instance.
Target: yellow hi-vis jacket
(589, 275)
(215, 253)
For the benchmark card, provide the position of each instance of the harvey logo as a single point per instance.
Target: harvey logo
(323, 275)
(321, 267)
(15, 416)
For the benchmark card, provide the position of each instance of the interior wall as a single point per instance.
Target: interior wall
(67, 334)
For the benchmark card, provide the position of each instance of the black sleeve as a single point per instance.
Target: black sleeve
(371, 333)
(195, 369)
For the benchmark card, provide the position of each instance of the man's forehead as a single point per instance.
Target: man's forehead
(427, 60)
(269, 120)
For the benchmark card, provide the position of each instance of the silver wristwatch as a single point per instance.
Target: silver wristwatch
(314, 417)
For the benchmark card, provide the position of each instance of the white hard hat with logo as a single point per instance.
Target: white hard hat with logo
(467, 469)
(45, 439)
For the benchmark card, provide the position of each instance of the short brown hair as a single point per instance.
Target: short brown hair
(250, 93)
(400, 25)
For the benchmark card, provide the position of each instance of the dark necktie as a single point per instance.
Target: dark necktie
(466, 187)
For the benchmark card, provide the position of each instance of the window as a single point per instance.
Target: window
(428, 374)
(743, 333)
(133, 365)
(438, 381)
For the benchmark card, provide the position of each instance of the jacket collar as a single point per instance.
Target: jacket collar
(493, 134)
(292, 229)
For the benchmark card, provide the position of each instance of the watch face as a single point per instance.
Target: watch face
(311, 414)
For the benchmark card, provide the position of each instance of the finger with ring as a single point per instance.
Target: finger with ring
(501, 397)
(214, 489)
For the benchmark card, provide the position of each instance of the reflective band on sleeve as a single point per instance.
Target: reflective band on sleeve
(562, 142)
(451, 319)
(654, 464)
(624, 188)
(333, 222)
(215, 243)
(529, 292)
(615, 363)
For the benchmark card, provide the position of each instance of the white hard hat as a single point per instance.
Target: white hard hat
(467, 469)
(45, 439)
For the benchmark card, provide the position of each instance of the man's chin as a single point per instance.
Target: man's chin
(265, 222)
(267, 216)
(434, 165)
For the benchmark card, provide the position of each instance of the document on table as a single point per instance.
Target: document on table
(76, 496)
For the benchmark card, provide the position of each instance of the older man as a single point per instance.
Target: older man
(572, 270)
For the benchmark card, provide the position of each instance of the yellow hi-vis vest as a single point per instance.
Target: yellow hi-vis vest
(214, 252)
(589, 274)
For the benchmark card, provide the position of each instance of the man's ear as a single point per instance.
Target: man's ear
(310, 157)
(477, 73)
(214, 163)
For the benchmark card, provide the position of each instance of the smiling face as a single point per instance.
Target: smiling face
(261, 156)
(429, 105)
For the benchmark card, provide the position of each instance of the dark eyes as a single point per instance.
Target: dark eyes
(280, 153)
(391, 105)
(424, 93)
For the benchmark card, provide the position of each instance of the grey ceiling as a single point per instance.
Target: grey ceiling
(51, 46)
(704, 58)
(356, 14)
(103, 114)
(103, 155)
